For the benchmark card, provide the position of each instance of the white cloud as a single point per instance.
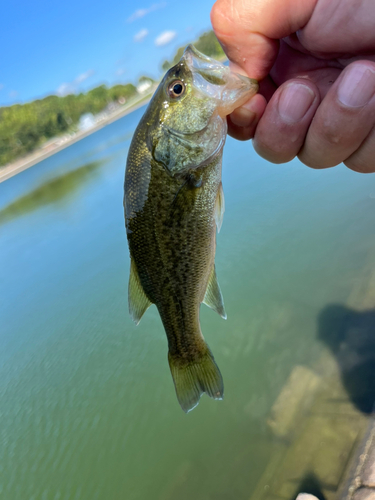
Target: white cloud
(165, 37)
(137, 15)
(13, 93)
(120, 71)
(143, 12)
(65, 89)
(71, 87)
(141, 35)
(1, 86)
(83, 76)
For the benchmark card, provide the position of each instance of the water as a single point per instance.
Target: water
(88, 409)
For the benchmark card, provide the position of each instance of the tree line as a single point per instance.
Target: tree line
(23, 127)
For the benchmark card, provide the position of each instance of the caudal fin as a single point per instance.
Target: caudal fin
(193, 379)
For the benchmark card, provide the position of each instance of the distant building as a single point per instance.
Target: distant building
(107, 111)
(144, 86)
(111, 107)
(86, 121)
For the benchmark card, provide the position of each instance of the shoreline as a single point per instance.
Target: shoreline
(14, 168)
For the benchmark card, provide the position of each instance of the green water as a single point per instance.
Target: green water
(88, 409)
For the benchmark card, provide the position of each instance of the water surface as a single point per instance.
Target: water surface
(88, 408)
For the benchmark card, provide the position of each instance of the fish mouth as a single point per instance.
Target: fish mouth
(217, 81)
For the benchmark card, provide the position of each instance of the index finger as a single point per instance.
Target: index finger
(249, 30)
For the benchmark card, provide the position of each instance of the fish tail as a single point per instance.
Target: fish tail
(194, 378)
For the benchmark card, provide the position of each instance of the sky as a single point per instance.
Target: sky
(74, 45)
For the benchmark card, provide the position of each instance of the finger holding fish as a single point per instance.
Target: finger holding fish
(281, 131)
(343, 121)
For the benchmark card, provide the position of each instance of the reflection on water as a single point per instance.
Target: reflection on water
(88, 408)
(350, 336)
(57, 190)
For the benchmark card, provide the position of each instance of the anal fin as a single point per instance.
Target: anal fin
(138, 301)
(214, 298)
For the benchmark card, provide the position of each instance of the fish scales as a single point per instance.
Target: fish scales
(173, 200)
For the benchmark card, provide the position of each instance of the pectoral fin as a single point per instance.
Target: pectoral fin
(213, 297)
(219, 207)
(138, 302)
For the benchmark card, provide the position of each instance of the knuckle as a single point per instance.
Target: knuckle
(332, 133)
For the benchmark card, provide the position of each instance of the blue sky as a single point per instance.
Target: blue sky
(58, 47)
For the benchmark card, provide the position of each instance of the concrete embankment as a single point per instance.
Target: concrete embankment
(322, 421)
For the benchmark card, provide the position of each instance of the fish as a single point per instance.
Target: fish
(173, 204)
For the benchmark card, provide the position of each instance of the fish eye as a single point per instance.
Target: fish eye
(176, 88)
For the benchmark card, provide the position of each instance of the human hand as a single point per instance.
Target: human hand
(316, 63)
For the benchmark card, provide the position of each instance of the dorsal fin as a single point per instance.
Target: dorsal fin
(138, 301)
(213, 297)
(219, 207)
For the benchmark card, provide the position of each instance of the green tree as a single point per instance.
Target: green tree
(207, 44)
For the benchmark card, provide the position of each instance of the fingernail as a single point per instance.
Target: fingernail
(242, 117)
(357, 86)
(294, 102)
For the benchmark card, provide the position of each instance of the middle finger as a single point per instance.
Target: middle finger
(344, 118)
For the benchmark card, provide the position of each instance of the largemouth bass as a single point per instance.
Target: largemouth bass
(173, 203)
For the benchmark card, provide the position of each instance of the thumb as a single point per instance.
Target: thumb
(249, 30)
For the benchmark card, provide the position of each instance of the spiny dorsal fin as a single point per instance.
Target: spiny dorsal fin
(213, 297)
(138, 302)
(219, 207)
